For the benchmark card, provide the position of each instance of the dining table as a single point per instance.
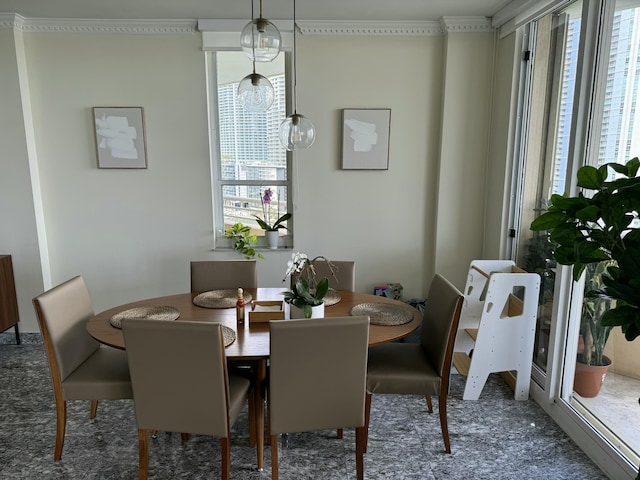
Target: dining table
(251, 339)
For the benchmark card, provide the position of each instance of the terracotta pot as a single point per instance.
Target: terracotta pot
(589, 378)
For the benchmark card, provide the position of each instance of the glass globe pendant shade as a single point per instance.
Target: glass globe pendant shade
(297, 132)
(260, 40)
(255, 93)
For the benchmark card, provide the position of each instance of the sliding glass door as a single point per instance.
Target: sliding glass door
(580, 103)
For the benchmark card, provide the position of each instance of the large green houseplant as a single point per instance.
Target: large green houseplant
(602, 227)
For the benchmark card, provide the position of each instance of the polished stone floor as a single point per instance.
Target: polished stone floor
(493, 438)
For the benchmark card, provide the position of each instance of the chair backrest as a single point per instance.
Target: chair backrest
(178, 375)
(440, 323)
(343, 278)
(317, 373)
(63, 312)
(223, 274)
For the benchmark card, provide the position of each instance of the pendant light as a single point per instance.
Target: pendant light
(260, 39)
(255, 92)
(296, 131)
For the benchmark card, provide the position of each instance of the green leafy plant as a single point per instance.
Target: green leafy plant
(307, 291)
(243, 240)
(265, 222)
(303, 297)
(594, 333)
(602, 227)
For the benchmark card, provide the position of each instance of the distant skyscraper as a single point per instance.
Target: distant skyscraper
(249, 145)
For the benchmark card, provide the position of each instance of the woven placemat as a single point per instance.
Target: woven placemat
(383, 313)
(331, 298)
(228, 335)
(220, 299)
(152, 312)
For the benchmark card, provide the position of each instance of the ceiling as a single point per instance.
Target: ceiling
(346, 10)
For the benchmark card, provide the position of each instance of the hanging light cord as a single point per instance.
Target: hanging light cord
(253, 40)
(295, 63)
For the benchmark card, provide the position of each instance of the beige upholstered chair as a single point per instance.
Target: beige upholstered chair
(223, 274)
(180, 382)
(327, 389)
(343, 278)
(421, 368)
(220, 275)
(80, 368)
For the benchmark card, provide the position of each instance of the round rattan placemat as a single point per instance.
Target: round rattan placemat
(383, 313)
(229, 335)
(220, 299)
(331, 298)
(153, 312)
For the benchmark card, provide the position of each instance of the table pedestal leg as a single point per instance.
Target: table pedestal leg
(260, 377)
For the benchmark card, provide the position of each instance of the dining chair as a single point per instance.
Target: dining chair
(181, 384)
(343, 277)
(421, 368)
(223, 274)
(317, 379)
(226, 275)
(80, 368)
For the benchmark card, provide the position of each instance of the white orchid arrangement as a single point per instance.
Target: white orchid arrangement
(307, 291)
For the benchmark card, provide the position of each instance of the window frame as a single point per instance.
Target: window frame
(220, 242)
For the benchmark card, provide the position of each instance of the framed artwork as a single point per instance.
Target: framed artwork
(365, 138)
(120, 141)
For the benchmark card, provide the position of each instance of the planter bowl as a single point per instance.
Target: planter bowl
(589, 378)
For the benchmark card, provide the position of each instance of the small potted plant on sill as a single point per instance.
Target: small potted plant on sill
(271, 228)
(601, 228)
(306, 297)
(243, 240)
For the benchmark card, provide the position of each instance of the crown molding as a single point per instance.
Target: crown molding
(9, 20)
(84, 25)
(466, 24)
(181, 27)
(331, 27)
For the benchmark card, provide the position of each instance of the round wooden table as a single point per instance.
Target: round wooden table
(252, 340)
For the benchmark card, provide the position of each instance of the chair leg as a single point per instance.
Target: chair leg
(255, 429)
(184, 437)
(61, 424)
(225, 453)
(252, 422)
(442, 408)
(340, 433)
(367, 416)
(361, 435)
(273, 441)
(94, 409)
(429, 404)
(143, 454)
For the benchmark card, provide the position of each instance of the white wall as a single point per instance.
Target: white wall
(18, 236)
(131, 233)
(461, 196)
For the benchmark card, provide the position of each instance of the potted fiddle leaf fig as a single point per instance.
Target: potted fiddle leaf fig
(599, 229)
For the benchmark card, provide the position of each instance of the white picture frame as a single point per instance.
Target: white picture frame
(365, 138)
(120, 137)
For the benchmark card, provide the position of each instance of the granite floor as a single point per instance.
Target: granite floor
(493, 438)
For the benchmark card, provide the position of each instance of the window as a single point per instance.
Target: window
(584, 89)
(248, 158)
